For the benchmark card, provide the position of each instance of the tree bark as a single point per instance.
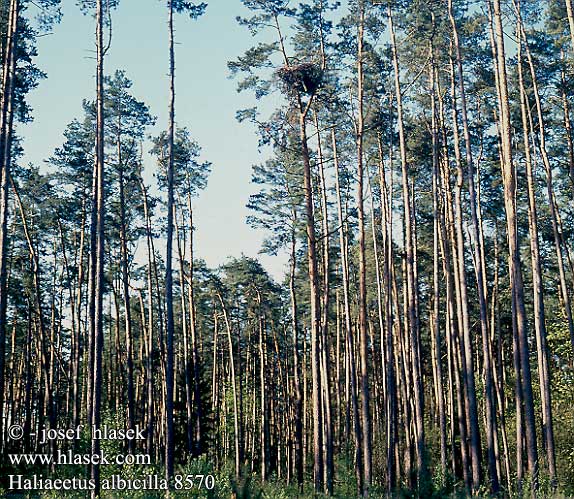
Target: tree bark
(315, 304)
(96, 293)
(411, 286)
(516, 283)
(538, 289)
(236, 439)
(169, 369)
(6, 120)
(363, 331)
(350, 366)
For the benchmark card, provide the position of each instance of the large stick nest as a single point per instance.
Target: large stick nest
(301, 78)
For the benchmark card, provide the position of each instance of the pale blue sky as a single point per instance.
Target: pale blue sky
(206, 103)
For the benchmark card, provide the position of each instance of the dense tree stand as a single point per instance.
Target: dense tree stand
(414, 333)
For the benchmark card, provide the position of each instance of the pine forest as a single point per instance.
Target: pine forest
(414, 180)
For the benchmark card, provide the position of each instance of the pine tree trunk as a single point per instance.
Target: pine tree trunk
(298, 454)
(76, 373)
(199, 438)
(436, 332)
(537, 286)
(448, 250)
(96, 293)
(264, 426)
(387, 343)
(325, 356)
(467, 355)
(516, 283)
(480, 274)
(315, 305)
(236, 436)
(363, 332)
(150, 325)
(126, 294)
(169, 369)
(350, 366)
(411, 286)
(186, 349)
(6, 120)
(570, 15)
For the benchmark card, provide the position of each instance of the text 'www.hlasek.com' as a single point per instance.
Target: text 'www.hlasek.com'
(72, 457)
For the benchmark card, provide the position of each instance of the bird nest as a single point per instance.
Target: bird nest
(302, 78)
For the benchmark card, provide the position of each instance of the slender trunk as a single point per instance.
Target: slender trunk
(328, 424)
(467, 357)
(169, 369)
(97, 252)
(186, 352)
(538, 288)
(150, 325)
(264, 428)
(199, 444)
(363, 332)
(480, 274)
(315, 304)
(411, 286)
(126, 295)
(570, 14)
(516, 283)
(436, 278)
(454, 323)
(77, 385)
(6, 120)
(350, 367)
(298, 457)
(388, 355)
(238, 455)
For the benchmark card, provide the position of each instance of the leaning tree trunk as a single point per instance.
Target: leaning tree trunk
(554, 215)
